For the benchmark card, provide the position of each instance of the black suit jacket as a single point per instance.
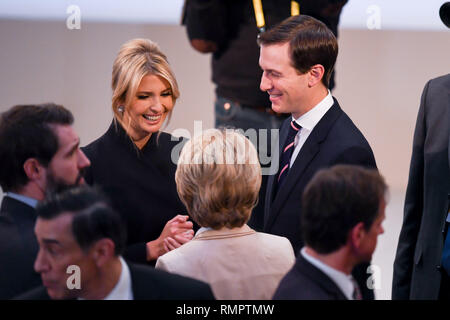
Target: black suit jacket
(150, 284)
(334, 140)
(306, 282)
(18, 248)
(140, 184)
(417, 273)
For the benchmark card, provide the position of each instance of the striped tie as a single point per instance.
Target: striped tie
(288, 149)
(356, 291)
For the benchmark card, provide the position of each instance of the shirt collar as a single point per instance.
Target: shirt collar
(19, 197)
(123, 289)
(312, 117)
(342, 280)
(203, 229)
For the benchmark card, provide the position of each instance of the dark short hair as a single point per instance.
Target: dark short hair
(310, 41)
(337, 199)
(25, 132)
(93, 216)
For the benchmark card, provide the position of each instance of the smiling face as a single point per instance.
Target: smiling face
(149, 108)
(287, 88)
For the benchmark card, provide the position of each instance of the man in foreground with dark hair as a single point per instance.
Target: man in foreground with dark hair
(39, 155)
(81, 240)
(343, 209)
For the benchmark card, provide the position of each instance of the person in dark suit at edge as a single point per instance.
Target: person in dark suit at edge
(297, 58)
(228, 30)
(422, 261)
(78, 228)
(342, 214)
(39, 155)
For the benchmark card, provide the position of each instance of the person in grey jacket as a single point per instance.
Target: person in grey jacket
(418, 272)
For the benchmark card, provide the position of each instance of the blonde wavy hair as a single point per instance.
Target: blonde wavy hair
(136, 59)
(218, 178)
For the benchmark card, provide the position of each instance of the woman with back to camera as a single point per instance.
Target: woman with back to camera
(218, 179)
(132, 160)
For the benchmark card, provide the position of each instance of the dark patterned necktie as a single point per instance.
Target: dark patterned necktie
(287, 151)
(356, 291)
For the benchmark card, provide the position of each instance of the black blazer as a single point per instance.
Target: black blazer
(149, 284)
(334, 140)
(306, 282)
(140, 184)
(18, 248)
(417, 273)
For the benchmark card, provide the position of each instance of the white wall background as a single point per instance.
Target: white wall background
(397, 14)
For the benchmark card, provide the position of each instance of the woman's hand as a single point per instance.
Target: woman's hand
(180, 239)
(177, 231)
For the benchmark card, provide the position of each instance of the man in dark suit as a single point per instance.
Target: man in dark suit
(343, 209)
(228, 30)
(297, 58)
(39, 154)
(417, 268)
(81, 240)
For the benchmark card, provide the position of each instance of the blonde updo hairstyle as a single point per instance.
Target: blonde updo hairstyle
(218, 178)
(136, 59)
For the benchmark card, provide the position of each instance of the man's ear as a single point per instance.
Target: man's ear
(33, 169)
(316, 73)
(356, 236)
(103, 251)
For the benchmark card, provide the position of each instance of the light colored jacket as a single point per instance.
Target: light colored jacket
(238, 263)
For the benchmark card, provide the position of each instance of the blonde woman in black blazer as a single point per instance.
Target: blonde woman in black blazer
(132, 160)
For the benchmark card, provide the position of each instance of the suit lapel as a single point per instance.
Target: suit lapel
(141, 288)
(448, 126)
(306, 155)
(321, 279)
(17, 208)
